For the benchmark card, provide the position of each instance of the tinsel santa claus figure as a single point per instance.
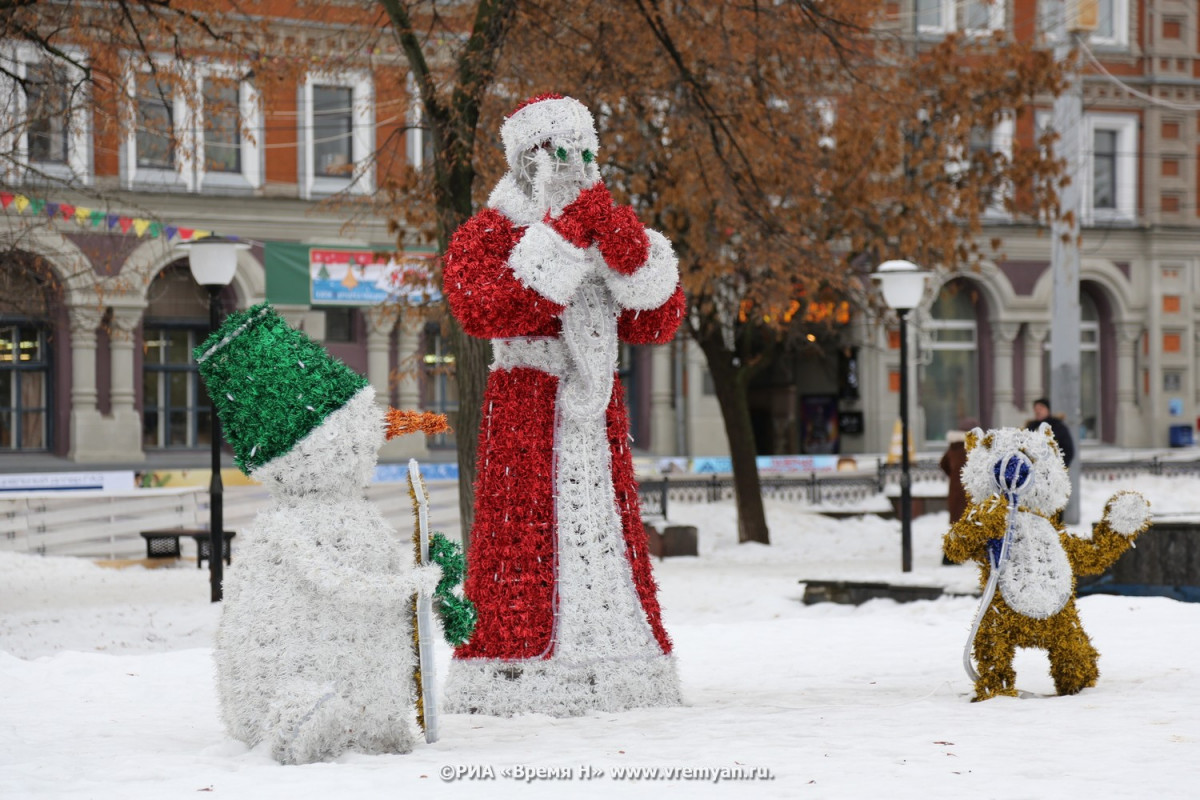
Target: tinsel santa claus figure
(556, 274)
(314, 649)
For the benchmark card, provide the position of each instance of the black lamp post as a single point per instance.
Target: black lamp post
(213, 261)
(903, 284)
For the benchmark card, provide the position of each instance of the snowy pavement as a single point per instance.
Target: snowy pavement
(107, 689)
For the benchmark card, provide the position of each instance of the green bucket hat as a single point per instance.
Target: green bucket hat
(270, 384)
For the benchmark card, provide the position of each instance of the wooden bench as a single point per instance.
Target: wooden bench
(164, 543)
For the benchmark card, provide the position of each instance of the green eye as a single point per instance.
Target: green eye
(561, 154)
(588, 155)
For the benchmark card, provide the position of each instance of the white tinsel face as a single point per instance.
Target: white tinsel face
(335, 458)
(1050, 486)
(555, 172)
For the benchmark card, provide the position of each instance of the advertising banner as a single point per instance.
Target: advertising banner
(365, 278)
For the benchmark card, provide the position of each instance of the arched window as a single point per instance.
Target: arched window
(949, 387)
(176, 411)
(26, 395)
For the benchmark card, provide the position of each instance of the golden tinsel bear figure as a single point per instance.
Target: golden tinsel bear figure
(1016, 482)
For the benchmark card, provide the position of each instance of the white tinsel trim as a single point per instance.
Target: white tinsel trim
(651, 285)
(559, 688)
(1128, 513)
(1037, 580)
(545, 353)
(314, 649)
(229, 337)
(589, 331)
(509, 200)
(1051, 483)
(564, 122)
(549, 264)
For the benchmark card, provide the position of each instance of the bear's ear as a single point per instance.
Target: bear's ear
(973, 437)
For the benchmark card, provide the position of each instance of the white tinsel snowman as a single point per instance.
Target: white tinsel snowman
(314, 650)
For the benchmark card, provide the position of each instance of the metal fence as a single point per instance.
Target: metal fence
(849, 490)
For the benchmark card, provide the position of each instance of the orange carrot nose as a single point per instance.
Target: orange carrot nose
(405, 422)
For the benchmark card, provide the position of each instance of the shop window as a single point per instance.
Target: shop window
(949, 386)
(24, 387)
(176, 411)
(439, 390)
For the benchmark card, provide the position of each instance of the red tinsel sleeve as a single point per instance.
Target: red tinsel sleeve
(656, 326)
(483, 293)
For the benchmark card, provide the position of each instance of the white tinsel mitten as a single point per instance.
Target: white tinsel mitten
(1127, 513)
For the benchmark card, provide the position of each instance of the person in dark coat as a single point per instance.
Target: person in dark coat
(952, 463)
(1062, 434)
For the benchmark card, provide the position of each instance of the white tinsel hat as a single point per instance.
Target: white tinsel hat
(562, 120)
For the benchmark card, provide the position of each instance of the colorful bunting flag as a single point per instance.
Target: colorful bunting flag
(95, 218)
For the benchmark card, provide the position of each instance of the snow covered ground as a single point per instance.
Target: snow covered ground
(107, 689)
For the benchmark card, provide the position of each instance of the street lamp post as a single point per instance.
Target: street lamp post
(213, 261)
(903, 284)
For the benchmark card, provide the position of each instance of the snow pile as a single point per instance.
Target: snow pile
(107, 689)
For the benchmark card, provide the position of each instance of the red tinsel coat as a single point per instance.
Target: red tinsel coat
(511, 561)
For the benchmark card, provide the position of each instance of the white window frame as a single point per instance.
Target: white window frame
(950, 13)
(15, 139)
(946, 24)
(251, 129)
(1126, 128)
(138, 177)
(189, 172)
(1120, 37)
(996, 19)
(362, 132)
(1001, 142)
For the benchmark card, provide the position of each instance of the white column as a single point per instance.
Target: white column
(86, 427)
(380, 321)
(408, 361)
(662, 408)
(125, 428)
(1128, 418)
(1035, 342)
(1006, 414)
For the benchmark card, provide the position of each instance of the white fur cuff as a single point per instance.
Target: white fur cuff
(548, 263)
(652, 284)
